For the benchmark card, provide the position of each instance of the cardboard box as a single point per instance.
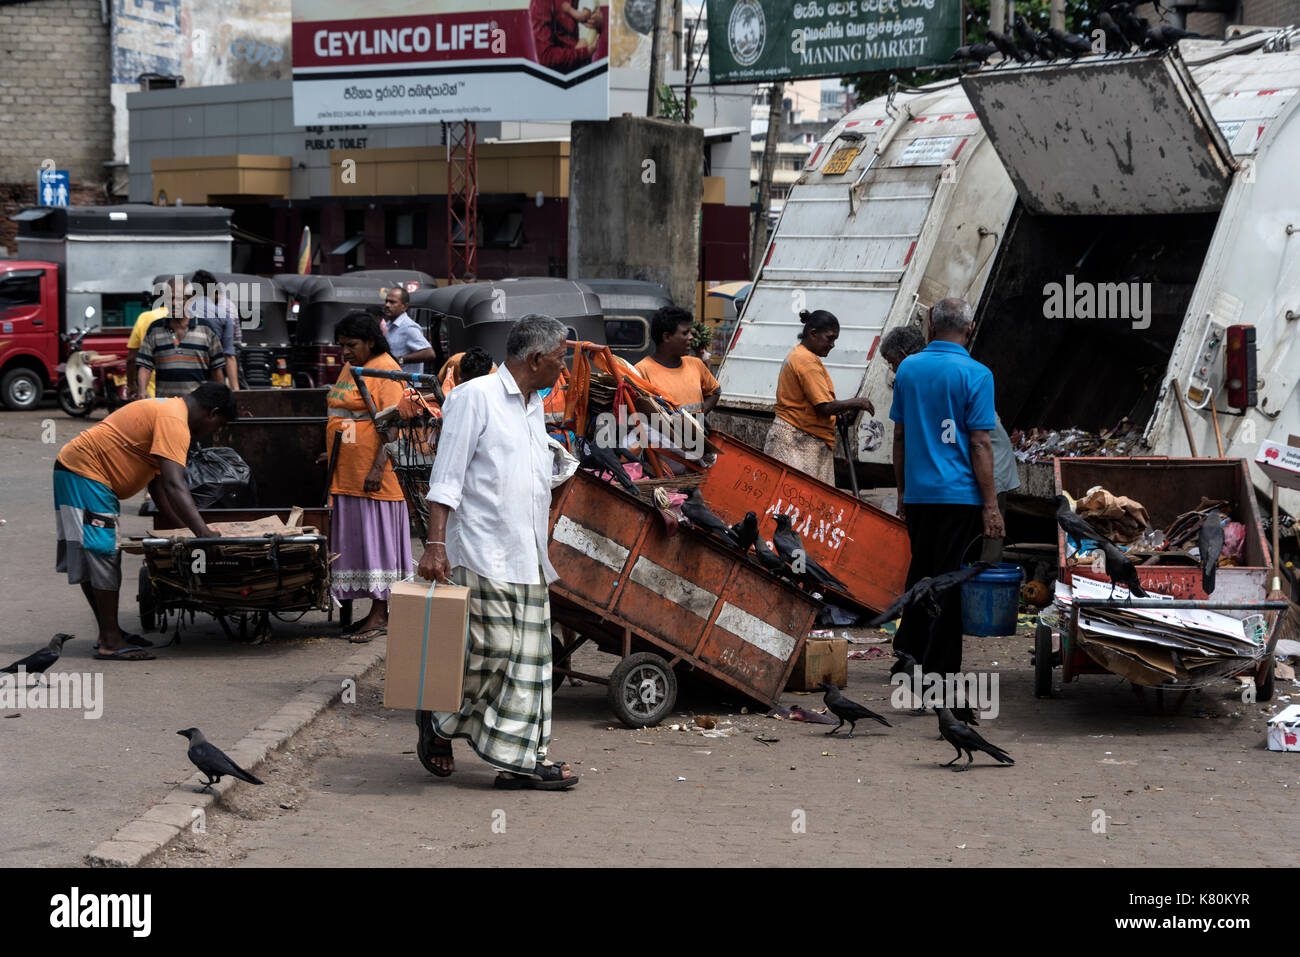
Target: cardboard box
(1284, 729)
(427, 630)
(819, 661)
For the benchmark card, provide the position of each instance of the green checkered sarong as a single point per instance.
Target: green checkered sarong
(505, 711)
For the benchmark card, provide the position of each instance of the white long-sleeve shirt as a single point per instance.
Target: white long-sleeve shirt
(493, 470)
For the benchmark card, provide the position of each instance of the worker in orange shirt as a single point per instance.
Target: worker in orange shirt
(674, 373)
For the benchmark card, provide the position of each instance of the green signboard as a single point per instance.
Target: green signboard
(757, 40)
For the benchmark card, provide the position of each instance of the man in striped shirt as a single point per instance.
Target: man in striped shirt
(182, 352)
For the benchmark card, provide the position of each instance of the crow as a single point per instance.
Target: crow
(966, 715)
(1210, 541)
(975, 52)
(1133, 27)
(790, 547)
(1047, 46)
(601, 460)
(1116, 42)
(847, 710)
(1165, 36)
(768, 558)
(967, 739)
(1069, 44)
(1121, 571)
(746, 531)
(1076, 527)
(905, 664)
(1028, 38)
(211, 760)
(38, 661)
(700, 516)
(1005, 46)
(926, 593)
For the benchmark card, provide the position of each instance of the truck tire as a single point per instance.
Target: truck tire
(144, 596)
(642, 690)
(1042, 662)
(69, 406)
(21, 389)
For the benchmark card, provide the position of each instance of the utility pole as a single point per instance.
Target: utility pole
(677, 35)
(656, 61)
(998, 15)
(759, 239)
(1056, 14)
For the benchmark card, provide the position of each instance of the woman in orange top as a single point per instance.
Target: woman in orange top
(370, 526)
(803, 433)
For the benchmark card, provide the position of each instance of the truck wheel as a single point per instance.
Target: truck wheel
(642, 690)
(21, 389)
(69, 405)
(1043, 662)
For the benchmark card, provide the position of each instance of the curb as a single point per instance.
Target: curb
(136, 842)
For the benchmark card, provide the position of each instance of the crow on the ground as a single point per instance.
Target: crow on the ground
(975, 52)
(38, 661)
(967, 739)
(746, 531)
(702, 518)
(601, 460)
(1121, 571)
(1005, 46)
(790, 547)
(1210, 542)
(905, 664)
(847, 710)
(1069, 44)
(926, 594)
(211, 760)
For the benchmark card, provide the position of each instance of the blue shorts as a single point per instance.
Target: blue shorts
(85, 518)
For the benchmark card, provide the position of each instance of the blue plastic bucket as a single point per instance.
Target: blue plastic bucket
(991, 600)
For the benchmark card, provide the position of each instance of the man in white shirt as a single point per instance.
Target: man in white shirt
(489, 503)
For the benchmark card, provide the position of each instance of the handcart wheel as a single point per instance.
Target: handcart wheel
(642, 690)
(1042, 661)
(1264, 681)
(148, 606)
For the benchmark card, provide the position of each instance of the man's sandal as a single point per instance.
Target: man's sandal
(429, 747)
(547, 777)
(125, 654)
(136, 641)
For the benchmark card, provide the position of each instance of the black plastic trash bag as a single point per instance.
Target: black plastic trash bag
(219, 478)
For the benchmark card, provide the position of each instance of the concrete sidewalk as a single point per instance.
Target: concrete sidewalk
(66, 782)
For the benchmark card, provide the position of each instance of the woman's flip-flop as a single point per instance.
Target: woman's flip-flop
(369, 635)
(125, 654)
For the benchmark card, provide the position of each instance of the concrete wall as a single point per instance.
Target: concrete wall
(634, 202)
(54, 78)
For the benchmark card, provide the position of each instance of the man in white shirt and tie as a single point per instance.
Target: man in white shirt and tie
(489, 504)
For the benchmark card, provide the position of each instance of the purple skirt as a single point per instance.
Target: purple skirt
(373, 542)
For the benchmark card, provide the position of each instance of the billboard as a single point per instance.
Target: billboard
(422, 61)
(755, 40)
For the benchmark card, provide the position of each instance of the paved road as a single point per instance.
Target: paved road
(67, 782)
(1187, 791)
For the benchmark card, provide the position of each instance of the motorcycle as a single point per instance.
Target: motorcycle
(90, 378)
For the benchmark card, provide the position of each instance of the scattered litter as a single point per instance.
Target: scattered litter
(961, 847)
(744, 711)
(812, 717)
(706, 753)
(1288, 648)
(286, 805)
(763, 739)
(681, 779)
(821, 633)
(15, 714)
(1209, 769)
(827, 754)
(869, 654)
(706, 721)
(995, 662)
(1284, 671)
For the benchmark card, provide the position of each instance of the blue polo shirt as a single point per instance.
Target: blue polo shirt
(941, 395)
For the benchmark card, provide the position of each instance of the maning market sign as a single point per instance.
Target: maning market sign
(756, 40)
(422, 61)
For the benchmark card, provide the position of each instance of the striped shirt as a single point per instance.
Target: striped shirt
(181, 363)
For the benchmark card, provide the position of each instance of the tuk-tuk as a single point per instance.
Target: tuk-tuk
(263, 309)
(628, 305)
(480, 314)
(321, 301)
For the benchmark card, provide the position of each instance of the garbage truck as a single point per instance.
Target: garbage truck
(92, 267)
(1126, 228)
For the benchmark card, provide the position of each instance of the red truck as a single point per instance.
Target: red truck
(92, 267)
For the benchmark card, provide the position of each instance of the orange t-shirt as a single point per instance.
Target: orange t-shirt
(122, 452)
(687, 385)
(805, 383)
(357, 453)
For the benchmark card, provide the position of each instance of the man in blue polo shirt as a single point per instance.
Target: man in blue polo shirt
(943, 462)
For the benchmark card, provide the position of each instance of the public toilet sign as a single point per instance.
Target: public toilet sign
(398, 61)
(757, 40)
(52, 187)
